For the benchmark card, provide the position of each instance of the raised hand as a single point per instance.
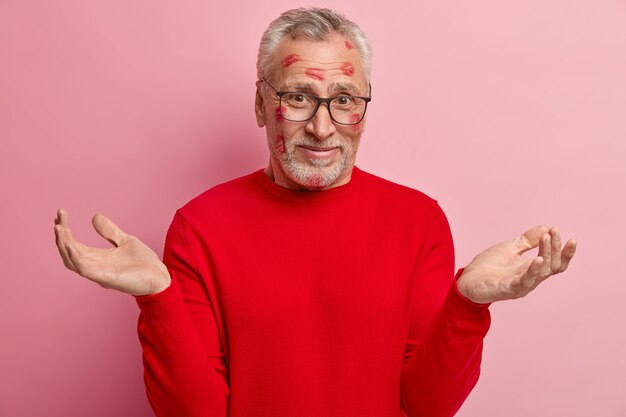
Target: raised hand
(501, 273)
(130, 266)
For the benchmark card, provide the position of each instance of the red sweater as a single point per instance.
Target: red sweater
(328, 303)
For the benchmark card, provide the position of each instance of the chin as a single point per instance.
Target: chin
(316, 178)
(315, 183)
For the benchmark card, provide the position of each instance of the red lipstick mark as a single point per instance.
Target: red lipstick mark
(315, 73)
(354, 118)
(316, 181)
(278, 114)
(347, 69)
(280, 144)
(349, 44)
(290, 59)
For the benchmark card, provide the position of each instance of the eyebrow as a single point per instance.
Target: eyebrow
(334, 87)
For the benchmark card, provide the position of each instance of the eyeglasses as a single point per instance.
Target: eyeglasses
(300, 107)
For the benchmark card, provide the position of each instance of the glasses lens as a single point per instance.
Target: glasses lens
(299, 107)
(348, 109)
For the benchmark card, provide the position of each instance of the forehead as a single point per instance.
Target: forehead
(318, 63)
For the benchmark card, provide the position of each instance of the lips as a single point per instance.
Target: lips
(316, 149)
(314, 152)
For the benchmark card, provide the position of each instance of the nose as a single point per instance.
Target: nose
(321, 125)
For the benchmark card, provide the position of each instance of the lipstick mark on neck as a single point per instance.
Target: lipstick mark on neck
(290, 59)
(349, 44)
(347, 68)
(315, 73)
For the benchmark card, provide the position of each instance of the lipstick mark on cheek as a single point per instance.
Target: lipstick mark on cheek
(280, 144)
(347, 68)
(349, 44)
(315, 73)
(290, 59)
(279, 116)
(353, 119)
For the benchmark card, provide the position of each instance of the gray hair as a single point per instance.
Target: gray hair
(313, 23)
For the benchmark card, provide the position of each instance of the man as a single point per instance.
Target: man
(311, 288)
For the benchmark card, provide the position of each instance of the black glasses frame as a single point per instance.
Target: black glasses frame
(320, 100)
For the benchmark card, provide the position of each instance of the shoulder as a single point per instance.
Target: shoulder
(219, 199)
(392, 192)
(405, 211)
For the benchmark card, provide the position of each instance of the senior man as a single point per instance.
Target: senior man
(310, 287)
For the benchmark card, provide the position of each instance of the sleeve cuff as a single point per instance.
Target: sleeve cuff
(164, 307)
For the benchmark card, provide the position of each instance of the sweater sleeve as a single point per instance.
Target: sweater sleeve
(444, 348)
(184, 369)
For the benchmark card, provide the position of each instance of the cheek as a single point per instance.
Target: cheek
(278, 115)
(280, 144)
(349, 44)
(354, 118)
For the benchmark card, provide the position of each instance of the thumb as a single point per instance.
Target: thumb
(108, 230)
(530, 239)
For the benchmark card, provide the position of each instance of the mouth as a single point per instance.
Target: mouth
(317, 149)
(319, 152)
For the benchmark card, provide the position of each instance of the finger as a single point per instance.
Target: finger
(57, 219)
(532, 276)
(60, 242)
(530, 239)
(545, 251)
(79, 255)
(61, 233)
(555, 255)
(108, 230)
(568, 253)
(75, 257)
(64, 221)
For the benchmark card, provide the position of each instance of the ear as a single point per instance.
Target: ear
(259, 110)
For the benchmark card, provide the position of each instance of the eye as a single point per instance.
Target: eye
(343, 100)
(297, 99)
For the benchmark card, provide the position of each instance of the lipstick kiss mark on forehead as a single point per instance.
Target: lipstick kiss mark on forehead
(290, 59)
(347, 68)
(349, 44)
(315, 73)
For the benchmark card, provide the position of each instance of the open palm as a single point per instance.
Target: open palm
(130, 266)
(500, 272)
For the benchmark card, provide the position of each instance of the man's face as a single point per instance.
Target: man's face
(318, 153)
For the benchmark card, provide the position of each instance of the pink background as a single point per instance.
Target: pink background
(511, 114)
